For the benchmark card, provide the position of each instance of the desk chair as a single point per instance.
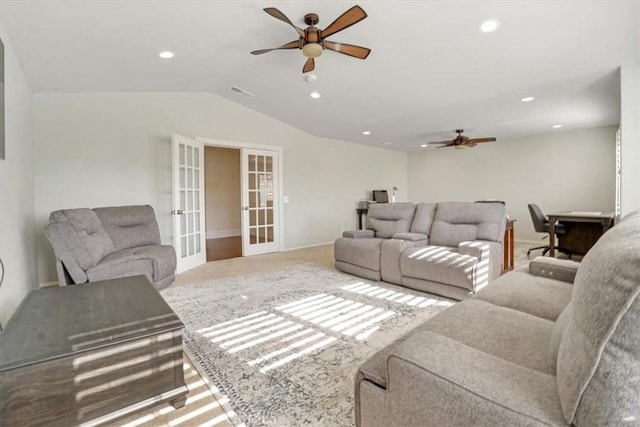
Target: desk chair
(541, 225)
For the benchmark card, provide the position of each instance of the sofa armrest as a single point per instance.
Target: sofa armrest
(432, 377)
(559, 269)
(359, 234)
(412, 237)
(477, 248)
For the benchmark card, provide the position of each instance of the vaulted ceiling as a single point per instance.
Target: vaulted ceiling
(431, 69)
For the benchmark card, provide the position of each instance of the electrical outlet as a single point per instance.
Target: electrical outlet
(285, 199)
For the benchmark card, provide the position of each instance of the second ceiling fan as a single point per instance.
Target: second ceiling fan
(312, 40)
(462, 141)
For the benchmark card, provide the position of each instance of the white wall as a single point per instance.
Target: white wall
(114, 148)
(222, 192)
(17, 223)
(630, 137)
(571, 170)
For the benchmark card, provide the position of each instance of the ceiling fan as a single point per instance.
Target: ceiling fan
(462, 141)
(312, 40)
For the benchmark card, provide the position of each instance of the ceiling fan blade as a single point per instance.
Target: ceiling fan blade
(282, 17)
(347, 19)
(348, 49)
(291, 45)
(470, 144)
(309, 65)
(440, 142)
(478, 140)
(446, 145)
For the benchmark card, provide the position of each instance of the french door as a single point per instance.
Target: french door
(260, 195)
(189, 238)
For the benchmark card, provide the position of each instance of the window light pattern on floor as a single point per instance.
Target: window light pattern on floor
(201, 407)
(273, 337)
(397, 297)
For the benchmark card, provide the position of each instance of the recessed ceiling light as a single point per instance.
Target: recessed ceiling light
(310, 78)
(366, 132)
(527, 99)
(489, 26)
(315, 95)
(423, 145)
(556, 126)
(165, 54)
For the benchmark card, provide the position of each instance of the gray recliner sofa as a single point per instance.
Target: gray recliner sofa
(107, 243)
(452, 248)
(555, 343)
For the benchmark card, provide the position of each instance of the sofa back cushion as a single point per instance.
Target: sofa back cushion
(457, 222)
(423, 219)
(130, 226)
(86, 236)
(598, 365)
(389, 218)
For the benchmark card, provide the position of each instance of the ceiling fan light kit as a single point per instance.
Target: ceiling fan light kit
(312, 50)
(312, 40)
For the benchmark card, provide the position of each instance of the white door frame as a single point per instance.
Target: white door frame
(211, 142)
(181, 209)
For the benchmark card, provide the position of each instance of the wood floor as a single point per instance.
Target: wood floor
(224, 248)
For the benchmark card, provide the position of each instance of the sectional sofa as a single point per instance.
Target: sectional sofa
(452, 249)
(108, 243)
(553, 344)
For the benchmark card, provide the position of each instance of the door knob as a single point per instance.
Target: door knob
(177, 212)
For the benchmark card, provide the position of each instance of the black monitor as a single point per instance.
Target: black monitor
(380, 196)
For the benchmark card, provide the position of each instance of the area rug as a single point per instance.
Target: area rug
(284, 345)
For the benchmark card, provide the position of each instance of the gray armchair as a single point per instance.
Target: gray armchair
(107, 243)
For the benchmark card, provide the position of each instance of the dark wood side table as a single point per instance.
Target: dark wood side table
(360, 212)
(508, 247)
(90, 352)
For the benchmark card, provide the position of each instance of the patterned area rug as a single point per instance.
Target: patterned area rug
(284, 345)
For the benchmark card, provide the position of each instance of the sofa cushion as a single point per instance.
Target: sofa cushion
(130, 226)
(389, 218)
(525, 292)
(423, 218)
(361, 252)
(598, 368)
(91, 236)
(511, 335)
(440, 264)
(155, 261)
(458, 222)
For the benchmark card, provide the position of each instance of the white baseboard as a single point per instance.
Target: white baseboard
(532, 242)
(219, 234)
(49, 284)
(307, 246)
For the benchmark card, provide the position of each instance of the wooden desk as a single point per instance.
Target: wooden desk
(508, 247)
(604, 221)
(89, 352)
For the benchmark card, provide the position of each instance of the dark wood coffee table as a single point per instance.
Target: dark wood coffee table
(91, 352)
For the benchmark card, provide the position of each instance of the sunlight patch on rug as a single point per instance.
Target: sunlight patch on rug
(284, 345)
